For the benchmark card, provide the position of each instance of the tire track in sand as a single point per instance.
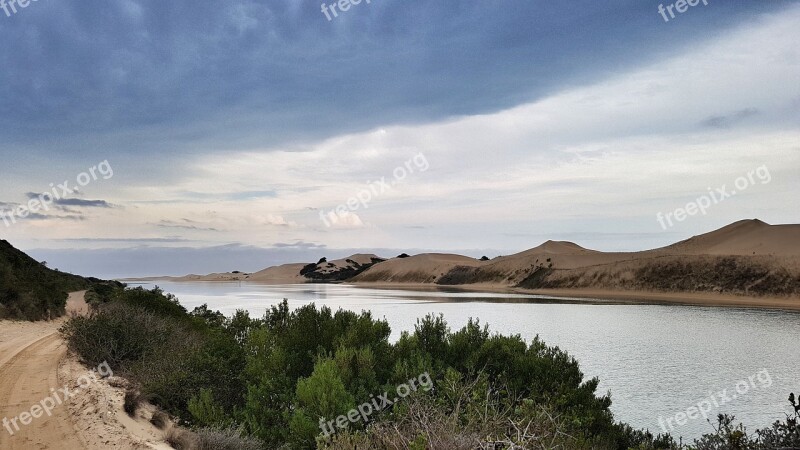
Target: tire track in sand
(26, 378)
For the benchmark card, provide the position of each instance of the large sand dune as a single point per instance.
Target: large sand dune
(746, 237)
(747, 258)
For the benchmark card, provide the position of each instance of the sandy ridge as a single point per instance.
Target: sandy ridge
(33, 364)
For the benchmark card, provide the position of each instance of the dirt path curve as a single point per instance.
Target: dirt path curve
(29, 357)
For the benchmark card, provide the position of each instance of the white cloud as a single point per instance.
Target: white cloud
(345, 219)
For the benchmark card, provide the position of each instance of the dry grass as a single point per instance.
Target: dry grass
(133, 400)
(160, 420)
(179, 439)
(228, 439)
(210, 439)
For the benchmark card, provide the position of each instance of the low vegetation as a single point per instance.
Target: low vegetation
(720, 274)
(469, 275)
(325, 272)
(29, 290)
(752, 276)
(245, 383)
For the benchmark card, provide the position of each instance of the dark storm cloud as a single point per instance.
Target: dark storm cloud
(97, 77)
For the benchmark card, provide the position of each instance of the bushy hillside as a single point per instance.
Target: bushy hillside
(31, 291)
(339, 270)
(741, 275)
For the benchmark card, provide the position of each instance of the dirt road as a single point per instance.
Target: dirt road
(29, 357)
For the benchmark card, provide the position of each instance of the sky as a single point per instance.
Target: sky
(199, 137)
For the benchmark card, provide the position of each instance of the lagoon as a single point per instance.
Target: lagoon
(659, 362)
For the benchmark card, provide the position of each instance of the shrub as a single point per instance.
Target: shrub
(205, 411)
(323, 394)
(224, 439)
(132, 401)
(308, 268)
(180, 439)
(119, 334)
(102, 293)
(143, 342)
(160, 419)
(154, 301)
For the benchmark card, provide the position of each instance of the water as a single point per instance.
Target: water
(656, 360)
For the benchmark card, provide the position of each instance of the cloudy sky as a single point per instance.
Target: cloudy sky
(225, 135)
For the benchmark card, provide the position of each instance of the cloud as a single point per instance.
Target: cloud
(346, 219)
(225, 76)
(276, 220)
(185, 224)
(37, 216)
(127, 240)
(299, 244)
(73, 201)
(83, 203)
(583, 135)
(729, 120)
(8, 212)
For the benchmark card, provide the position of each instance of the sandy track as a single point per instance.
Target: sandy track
(29, 358)
(24, 381)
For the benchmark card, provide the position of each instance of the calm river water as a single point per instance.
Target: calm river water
(657, 361)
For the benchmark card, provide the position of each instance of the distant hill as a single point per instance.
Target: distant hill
(749, 257)
(323, 271)
(340, 269)
(424, 268)
(745, 237)
(31, 291)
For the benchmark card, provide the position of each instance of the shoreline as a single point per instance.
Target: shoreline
(708, 299)
(618, 297)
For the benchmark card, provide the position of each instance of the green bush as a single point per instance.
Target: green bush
(119, 334)
(276, 378)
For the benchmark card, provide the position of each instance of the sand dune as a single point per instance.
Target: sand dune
(749, 258)
(424, 268)
(287, 273)
(291, 273)
(745, 258)
(746, 237)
